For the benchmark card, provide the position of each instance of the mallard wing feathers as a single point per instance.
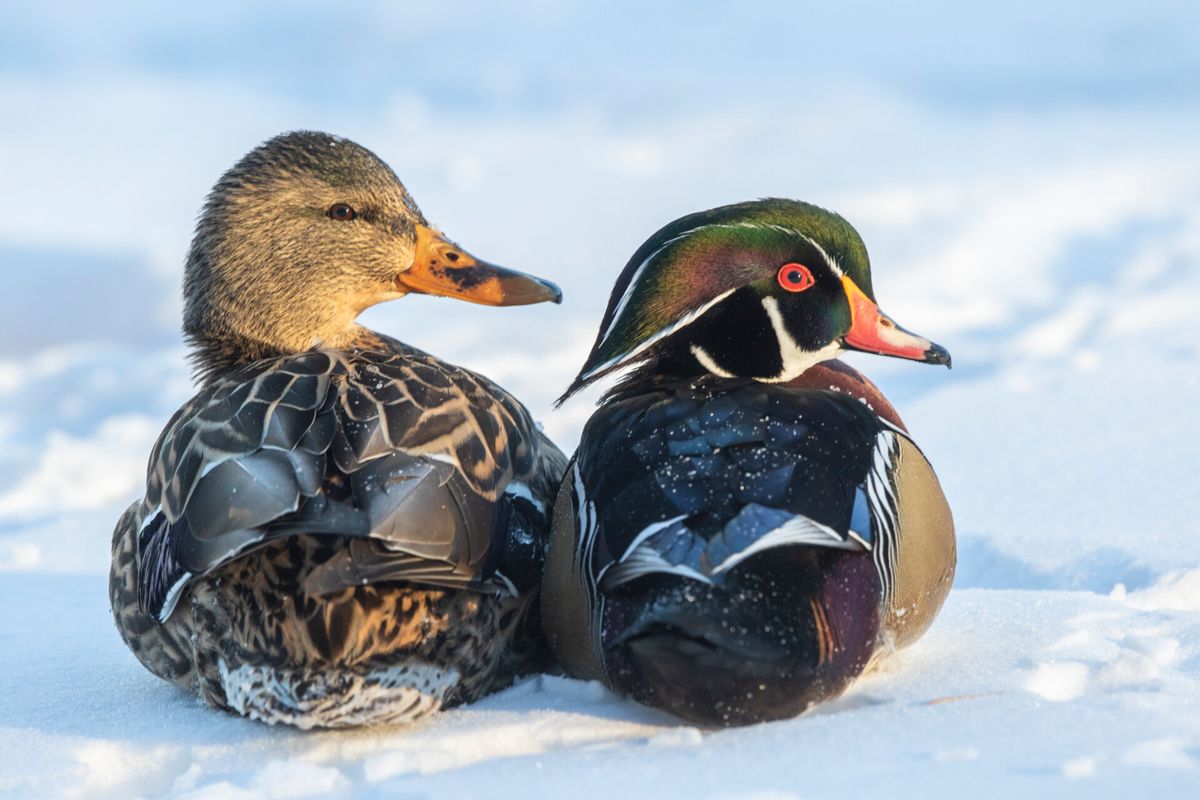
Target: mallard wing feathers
(427, 464)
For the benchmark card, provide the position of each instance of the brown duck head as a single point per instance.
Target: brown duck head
(301, 236)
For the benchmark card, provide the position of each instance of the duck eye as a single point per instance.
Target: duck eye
(795, 277)
(341, 212)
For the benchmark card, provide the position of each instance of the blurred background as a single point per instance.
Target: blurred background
(1026, 176)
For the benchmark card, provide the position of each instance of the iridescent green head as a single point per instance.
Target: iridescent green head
(762, 290)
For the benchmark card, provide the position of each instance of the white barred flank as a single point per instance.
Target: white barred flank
(881, 495)
(585, 545)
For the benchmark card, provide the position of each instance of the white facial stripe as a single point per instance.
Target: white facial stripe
(792, 365)
(637, 275)
(708, 362)
(682, 322)
(794, 358)
(633, 282)
(833, 265)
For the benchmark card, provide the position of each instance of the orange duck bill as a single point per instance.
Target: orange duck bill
(872, 331)
(442, 268)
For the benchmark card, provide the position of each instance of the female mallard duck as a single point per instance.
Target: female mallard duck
(739, 532)
(338, 529)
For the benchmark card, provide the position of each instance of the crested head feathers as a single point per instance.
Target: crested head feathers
(698, 261)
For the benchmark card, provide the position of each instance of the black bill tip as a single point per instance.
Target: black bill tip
(936, 354)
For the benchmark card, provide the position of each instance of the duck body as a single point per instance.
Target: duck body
(339, 536)
(746, 525)
(746, 547)
(357, 536)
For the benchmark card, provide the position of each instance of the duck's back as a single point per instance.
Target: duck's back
(361, 522)
(728, 537)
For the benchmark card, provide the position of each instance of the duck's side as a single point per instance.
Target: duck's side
(928, 552)
(337, 538)
(744, 550)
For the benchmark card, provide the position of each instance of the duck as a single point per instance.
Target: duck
(746, 525)
(338, 529)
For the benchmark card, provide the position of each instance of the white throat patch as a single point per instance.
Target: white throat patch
(794, 358)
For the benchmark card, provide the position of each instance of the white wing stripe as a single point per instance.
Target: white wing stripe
(642, 536)
(798, 530)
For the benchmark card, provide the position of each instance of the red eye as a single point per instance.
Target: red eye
(795, 277)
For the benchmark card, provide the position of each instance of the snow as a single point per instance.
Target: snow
(1029, 187)
(1012, 690)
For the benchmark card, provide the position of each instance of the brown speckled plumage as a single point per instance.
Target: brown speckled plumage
(343, 535)
(323, 649)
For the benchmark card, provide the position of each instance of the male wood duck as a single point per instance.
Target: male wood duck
(338, 529)
(745, 525)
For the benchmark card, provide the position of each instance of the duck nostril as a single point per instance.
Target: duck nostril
(884, 322)
(452, 256)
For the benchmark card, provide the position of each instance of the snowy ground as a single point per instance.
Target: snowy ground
(1029, 187)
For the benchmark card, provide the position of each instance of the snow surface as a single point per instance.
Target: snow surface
(1028, 183)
